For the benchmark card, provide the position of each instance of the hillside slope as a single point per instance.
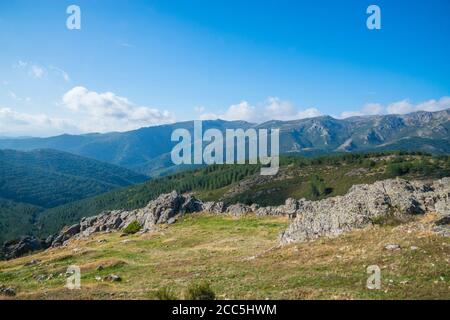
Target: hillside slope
(49, 178)
(240, 258)
(17, 219)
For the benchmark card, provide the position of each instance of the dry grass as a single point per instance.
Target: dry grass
(240, 259)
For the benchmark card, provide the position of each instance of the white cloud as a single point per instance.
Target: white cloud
(308, 113)
(17, 123)
(199, 109)
(400, 107)
(372, 109)
(368, 109)
(21, 64)
(37, 71)
(34, 70)
(90, 112)
(103, 112)
(15, 97)
(405, 106)
(276, 109)
(434, 105)
(12, 94)
(271, 109)
(61, 72)
(241, 111)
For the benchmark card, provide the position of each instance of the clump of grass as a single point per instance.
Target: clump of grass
(165, 293)
(200, 291)
(390, 220)
(132, 228)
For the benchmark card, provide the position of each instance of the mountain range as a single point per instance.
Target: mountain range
(147, 150)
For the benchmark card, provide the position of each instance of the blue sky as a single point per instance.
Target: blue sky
(139, 63)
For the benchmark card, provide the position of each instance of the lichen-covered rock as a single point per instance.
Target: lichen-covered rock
(363, 204)
(163, 209)
(66, 234)
(290, 209)
(16, 248)
(291, 206)
(213, 207)
(238, 209)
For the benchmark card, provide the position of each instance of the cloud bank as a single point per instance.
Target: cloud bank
(103, 112)
(89, 111)
(399, 107)
(271, 109)
(19, 123)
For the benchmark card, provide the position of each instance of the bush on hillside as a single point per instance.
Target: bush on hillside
(200, 291)
(132, 228)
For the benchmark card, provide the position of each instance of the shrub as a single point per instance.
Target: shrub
(132, 228)
(396, 169)
(200, 291)
(165, 293)
(317, 187)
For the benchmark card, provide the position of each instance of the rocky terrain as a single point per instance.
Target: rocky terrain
(362, 206)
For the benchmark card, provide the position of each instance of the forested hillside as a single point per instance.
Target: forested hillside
(49, 178)
(33, 181)
(16, 219)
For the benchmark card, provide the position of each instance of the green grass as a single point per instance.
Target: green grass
(240, 259)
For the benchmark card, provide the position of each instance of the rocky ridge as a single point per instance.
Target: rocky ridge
(362, 206)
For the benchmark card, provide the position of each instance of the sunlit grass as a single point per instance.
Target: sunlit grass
(240, 258)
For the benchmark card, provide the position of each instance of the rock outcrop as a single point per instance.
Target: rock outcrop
(289, 208)
(16, 248)
(163, 209)
(363, 205)
(238, 209)
(214, 207)
(7, 291)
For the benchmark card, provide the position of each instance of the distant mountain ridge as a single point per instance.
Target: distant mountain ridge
(369, 133)
(147, 150)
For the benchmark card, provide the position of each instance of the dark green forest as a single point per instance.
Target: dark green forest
(49, 178)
